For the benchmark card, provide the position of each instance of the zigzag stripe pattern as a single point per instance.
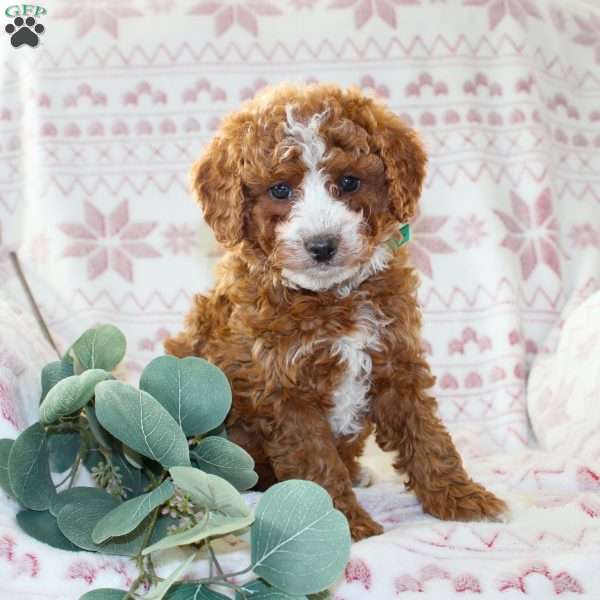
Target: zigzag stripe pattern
(371, 49)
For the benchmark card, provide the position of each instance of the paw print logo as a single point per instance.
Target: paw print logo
(24, 31)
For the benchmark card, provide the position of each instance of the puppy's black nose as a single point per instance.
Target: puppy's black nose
(322, 249)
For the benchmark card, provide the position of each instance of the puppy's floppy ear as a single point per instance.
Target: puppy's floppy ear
(404, 158)
(217, 187)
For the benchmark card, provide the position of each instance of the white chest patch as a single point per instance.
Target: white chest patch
(351, 397)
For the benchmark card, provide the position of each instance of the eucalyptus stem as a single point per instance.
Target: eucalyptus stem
(240, 590)
(139, 559)
(213, 558)
(74, 470)
(222, 579)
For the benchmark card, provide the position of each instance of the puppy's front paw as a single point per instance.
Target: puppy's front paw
(468, 502)
(363, 526)
(364, 478)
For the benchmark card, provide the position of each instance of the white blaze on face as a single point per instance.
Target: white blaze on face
(316, 214)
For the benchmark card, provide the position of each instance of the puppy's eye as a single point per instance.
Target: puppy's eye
(348, 183)
(281, 191)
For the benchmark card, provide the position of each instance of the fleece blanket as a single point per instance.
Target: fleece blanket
(101, 120)
(549, 545)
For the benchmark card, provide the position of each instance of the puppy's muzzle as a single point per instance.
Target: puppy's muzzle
(322, 249)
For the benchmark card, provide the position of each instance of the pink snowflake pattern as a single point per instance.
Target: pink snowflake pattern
(584, 235)
(558, 19)
(427, 241)
(109, 241)
(180, 239)
(303, 4)
(498, 9)
(161, 6)
(103, 13)
(589, 33)
(532, 233)
(364, 10)
(470, 231)
(227, 13)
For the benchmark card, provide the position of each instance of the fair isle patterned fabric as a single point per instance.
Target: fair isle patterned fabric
(100, 123)
(549, 546)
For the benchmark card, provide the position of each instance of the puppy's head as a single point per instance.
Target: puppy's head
(314, 179)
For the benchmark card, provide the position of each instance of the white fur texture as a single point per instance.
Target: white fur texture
(352, 395)
(317, 214)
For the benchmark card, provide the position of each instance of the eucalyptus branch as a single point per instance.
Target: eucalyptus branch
(101, 417)
(213, 558)
(222, 579)
(74, 470)
(149, 575)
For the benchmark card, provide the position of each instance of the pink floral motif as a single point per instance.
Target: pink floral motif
(101, 13)
(589, 33)
(357, 570)
(149, 344)
(470, 230)
(227, 13)
(109, 241)
(557, 16)
(584, 235)
(425, 81)
(498, 9)
(9, 401)
(161, 6)
(249, 92)
(427, 241)
(407, 583)
(368, 85)
(532, 233)
(82, 570)
(180, 239)
(364, 10)
(467, 583)
(303, 4)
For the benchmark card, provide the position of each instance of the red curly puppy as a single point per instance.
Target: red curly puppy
(314, 316)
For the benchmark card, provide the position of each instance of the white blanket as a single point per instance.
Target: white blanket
(549, 545)
(98, 126)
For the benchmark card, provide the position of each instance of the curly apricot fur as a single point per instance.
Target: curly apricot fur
(251, 321)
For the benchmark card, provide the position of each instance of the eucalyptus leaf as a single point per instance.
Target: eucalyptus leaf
(195, 392)
(70, 395)
(5, 448)
(127, 516)
(218, 456)
(300, 543)
(62, 450)
(101, 436)
(134, 481)
(100, 348)
(77, 520)
(42, 526)
(216, 525)
(138, 420)
(104, 594)
(210, 492)
(29, 471)
(54, 372)
(261, 590)
(75, 494)
(132, 457)
(159, 592)
(193, 591)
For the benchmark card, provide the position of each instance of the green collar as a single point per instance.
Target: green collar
(403, 237)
